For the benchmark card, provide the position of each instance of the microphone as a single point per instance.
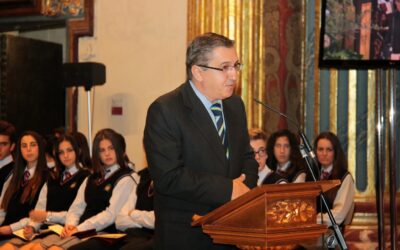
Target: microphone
(332, 240)
(277, 111)
(309, 149)
(306, 158)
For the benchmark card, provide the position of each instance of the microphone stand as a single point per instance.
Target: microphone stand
(300, 131)
(307, 153)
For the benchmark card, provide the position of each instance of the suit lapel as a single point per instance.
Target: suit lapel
(201, 118)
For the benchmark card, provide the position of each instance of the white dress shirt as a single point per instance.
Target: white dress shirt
(52, 216)
(5, 161)
(107, 217)
(342, 204)
(129, 217)
(262, 174)
(299, 178)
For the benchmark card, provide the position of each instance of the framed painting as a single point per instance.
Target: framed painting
(20, 7)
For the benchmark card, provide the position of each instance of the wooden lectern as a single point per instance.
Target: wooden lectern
(270, 215)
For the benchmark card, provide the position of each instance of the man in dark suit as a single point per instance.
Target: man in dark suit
(7, 145)
(197, 145)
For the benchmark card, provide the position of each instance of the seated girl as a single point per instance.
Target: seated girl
(100, 197)
(333, 165)
(284, 156)
(258, 141)
(21, 190)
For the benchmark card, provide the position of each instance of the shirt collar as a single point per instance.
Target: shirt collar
(207, 104)
(6, 160)
(262, 174)
(72, 170)
(284, 167)
(110, 170)
(328, 169)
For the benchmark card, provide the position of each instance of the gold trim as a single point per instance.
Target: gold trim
(238, 20)
(333, 100)
(303, 83)
(260, 63)
(352, 121)
(316, 69)
(70, 8)
(290, 211)
(371, 123)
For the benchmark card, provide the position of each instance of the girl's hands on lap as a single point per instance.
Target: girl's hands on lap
(68, 231)
(28, 232)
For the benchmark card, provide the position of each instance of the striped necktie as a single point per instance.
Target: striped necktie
(67, 176)
(325, 175)
(219, 120)
(26, 177)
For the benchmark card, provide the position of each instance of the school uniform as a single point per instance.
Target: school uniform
(291, 172)
(55, 197)
(137, 216)
(16, 212)
(58, 194)
(340, 199)
(96, 204)
(6, 166)
(268, 176)
(136, 219)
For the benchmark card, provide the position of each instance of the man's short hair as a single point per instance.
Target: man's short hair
(199, 49)
(8, 129)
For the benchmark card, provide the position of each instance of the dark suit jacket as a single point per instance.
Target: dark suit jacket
(5, 172)
(187, 162)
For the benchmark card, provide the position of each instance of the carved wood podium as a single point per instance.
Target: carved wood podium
(270, 215)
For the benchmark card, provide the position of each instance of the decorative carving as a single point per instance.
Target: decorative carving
(63, 7)
(288, 212)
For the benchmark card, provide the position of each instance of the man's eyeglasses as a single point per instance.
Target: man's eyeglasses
(261, 152)
(226, 68)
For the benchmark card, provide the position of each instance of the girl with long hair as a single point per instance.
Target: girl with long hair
(333, 165)
(101, 195)
(60, 190)
(284, 156)
(21, 191)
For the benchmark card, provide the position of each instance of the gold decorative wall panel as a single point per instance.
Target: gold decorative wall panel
(269, 40)
(333, 100)
(241, 21)
(278, 42)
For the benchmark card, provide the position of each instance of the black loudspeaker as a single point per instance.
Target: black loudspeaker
(86, 74)
(32, 95)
